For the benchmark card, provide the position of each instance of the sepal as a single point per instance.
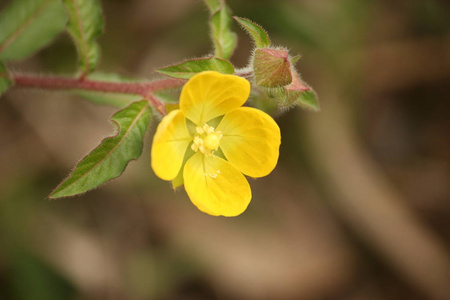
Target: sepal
(272, 67)
(299, 93)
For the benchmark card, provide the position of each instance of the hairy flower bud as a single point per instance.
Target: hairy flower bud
(272, 67)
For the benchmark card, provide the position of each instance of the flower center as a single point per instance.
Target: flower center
(207, 140)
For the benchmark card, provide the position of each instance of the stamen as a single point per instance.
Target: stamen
(207, 140)
(199, 130)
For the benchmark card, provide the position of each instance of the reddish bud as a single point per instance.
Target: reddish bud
(271, 67)
(297, 85)
(294, 90)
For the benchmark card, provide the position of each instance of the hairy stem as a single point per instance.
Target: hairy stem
(145, 89)
(67, 83)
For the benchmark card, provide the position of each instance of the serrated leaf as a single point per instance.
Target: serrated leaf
(256, 32)
(111, 157)
(223, 38)
(5, 82)
(85, 25)
(308, 99)
(28, 25)
(113, 99)
(189, 68)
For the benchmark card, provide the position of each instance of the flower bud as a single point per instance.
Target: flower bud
(272, 67)
(294, 90)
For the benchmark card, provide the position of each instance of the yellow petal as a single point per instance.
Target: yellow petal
(169, 145)
(210, 94)
(215, 186)
(251, 141)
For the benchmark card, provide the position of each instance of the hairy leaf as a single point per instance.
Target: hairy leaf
(223, 38)
(111, 157)
(256, 32)
(85, 25)
(28, 25)
(5, 82)
(189, 68)
(295, 59)
(308, 99)
(112, 99)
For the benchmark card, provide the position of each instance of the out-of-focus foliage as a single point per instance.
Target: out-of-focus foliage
(5, 82)
(28, 25)
(85, 25)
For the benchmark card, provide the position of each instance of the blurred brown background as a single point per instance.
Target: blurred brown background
(358, 207)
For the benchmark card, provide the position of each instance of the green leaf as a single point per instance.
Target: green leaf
(295, 59)
(189, 68)
(113, 99)
(85, 25)
(171, 96)
(28, 25)
(214, 5)
(223, 38)
(299, 93)
(5, 82)
(256, 32)
(111, 157)
(309, 100)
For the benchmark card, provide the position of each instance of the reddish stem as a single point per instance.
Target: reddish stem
(158, 105)
(58, 83)
(145, 89)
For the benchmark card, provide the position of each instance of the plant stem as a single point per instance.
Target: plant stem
(66, 83)
(157, 104)
(145, 89)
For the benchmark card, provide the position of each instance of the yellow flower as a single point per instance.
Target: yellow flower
(211, 141)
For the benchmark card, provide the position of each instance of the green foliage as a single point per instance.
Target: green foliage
(41, 280)
(28, 25)
(223, 38)
(295, 59)
(112, 99)
(111, 157)
(256, 32)
(85, 25)
(5, 82)
(189, 68)
(308, 100)
(214, 5)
